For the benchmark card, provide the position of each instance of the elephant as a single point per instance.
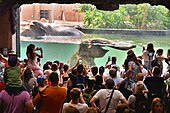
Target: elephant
(38, 29)
(92, 48)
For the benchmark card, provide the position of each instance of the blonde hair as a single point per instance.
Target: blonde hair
(139, 77)
(139, 86)
(154, 101)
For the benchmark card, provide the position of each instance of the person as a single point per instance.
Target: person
(139, 78)
(121, 108)
(113, 64)
(148, 55)
(157, 106)
(71, 109)
(52, 97)
(12, 75)
(65, 75)
(117, 80)
(103, 95)
(29, 81)
(159, 56)
(134, 67)
(126, 85)
(15, 102)
(32, 59)
(77, 100)
(91, 110)
(155, 84)
(137, 100)
(89, 92)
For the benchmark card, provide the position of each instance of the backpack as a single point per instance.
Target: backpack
(141, 104)
(155, 62)
(88, 96)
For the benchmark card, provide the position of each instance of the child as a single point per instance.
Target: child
(32, 59)
(12, 75)
(42, 85)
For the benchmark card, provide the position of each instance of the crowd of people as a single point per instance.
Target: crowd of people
(143, 86)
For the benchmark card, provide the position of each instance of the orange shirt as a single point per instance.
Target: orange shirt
(51, 99)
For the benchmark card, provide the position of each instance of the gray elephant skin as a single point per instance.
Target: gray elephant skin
(38, 29)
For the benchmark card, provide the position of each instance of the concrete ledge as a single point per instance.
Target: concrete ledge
(126, 31)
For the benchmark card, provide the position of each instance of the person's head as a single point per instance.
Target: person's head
(54, 67)
(71, 109)
(80, 69)
(114, 59)
(65, 67)
(109, 84)
(101, 70)
(13, 60)
(28, 74)
(46, 66)
(91, 110)
(159, 52)
(121, 108)
(54, 78)
(139, 77)
(30, 50)
(56, 61)
(94, 70)
(150, 47)
(42, 80)
(139, 86)
(156, 71)
(113, 72)
(90, 83)
(75, 94)
(157, 106)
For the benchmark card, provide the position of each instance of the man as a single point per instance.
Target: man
(51, 98)
(77, 100)
(117, 80)
(103, 96)
(14, 100)
(155, 84)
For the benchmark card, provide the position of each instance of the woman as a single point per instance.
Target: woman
(32, 56)
(148, 56)
(157, 106)
(29, 80)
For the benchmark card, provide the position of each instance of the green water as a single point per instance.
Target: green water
(63, 52)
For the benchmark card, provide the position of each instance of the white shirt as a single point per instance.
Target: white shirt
(103, 96)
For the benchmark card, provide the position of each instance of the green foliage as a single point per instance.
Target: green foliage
(130, 16)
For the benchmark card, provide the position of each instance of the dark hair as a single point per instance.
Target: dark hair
(75, 93)
(65, 67)
(80, 69)
(113, 59)
(27, 75)
(110, 83)
(54, 78)
(101, 70)
(54, 67)
(156, 71)
(150, 48)
(30, 50)
(12, 60)
(90, 83)
(94, 70)
(56, 61)
(113, 72)
(46, 66)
